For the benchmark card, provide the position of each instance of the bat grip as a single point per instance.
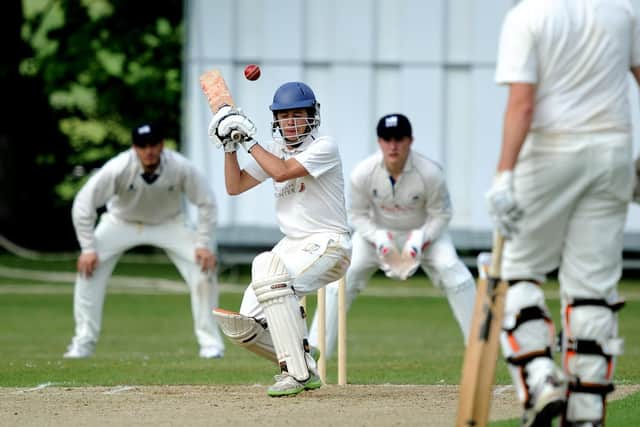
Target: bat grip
(496, 255)
(236, 136)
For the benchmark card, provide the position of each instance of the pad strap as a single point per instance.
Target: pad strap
(592, 388)
(523, 359)
(516, 281)
(583, 346)
(598, 302)
(527, 314)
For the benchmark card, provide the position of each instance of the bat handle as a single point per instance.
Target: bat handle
(496, 255)
(236, 136)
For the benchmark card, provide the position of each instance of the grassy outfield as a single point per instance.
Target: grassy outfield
(148, 339)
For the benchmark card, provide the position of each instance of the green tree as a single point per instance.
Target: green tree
(76, 77)
(106, 66)
(30, 211)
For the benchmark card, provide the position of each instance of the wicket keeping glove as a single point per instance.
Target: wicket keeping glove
(503, 208)
(384, 242)
(412, 250)
(415, 244)
(387, 252)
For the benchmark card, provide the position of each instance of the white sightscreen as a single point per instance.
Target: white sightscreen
(431, 60)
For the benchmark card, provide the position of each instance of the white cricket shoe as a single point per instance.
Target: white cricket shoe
(286, 385)
(211, 353)
(78, 352)
(549, 401)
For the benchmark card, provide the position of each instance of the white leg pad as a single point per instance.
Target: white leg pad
(527, 338)
(461, 300)
(273, 288)
(589, 330)
(246, 332)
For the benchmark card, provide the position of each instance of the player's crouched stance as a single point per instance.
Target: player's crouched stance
(144, 189)
(307, 176)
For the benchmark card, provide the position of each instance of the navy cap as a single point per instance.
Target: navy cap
(394, 126)
(146, 134)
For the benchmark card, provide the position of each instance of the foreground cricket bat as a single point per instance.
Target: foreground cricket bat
(218, 94)
(481, 354)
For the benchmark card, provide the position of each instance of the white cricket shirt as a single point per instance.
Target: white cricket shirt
(119, 185)
(578, 53)
(314, 203)
(418, 199)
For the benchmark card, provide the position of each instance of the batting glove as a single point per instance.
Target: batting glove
(228, 145)
(220, 142)
(238, 128)
(503, 208)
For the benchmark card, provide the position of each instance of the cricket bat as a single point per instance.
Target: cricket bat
(481, 354)
(218, 94)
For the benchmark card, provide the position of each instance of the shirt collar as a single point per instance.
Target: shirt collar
(306, 142)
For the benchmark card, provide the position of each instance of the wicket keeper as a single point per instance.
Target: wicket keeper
(400, 210)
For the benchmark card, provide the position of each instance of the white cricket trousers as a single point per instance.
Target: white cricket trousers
(113, 237)
(439, 261)
(574, 191)
(312, 262)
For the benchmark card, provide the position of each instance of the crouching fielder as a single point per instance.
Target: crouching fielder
(563, 184)
(400, 209)
(144, 189)
(307, 173)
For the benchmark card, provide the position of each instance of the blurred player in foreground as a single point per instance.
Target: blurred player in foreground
(143, 189)
(306, 171)
(564, 180)
(400, 210)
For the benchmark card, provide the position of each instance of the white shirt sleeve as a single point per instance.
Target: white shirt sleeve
(94, 194)
(517, 61)
(360, 207)
(320, 157)
(635, 42)
(438, 205)
(198, 192)
(255, 170)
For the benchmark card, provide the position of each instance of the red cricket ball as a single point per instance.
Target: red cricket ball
(252, 72)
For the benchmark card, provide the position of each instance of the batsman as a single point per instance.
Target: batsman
(560, 196)
(306, 171)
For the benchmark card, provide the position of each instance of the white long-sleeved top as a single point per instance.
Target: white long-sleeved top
(418, 199)
(119, 185)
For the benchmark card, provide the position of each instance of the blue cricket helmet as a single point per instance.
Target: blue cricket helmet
(290, 96)
(293, 95)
